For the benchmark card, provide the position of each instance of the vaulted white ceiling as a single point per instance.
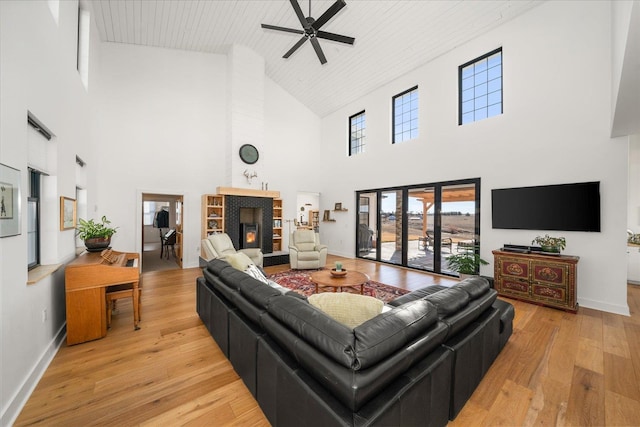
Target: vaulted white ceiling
(393, 37)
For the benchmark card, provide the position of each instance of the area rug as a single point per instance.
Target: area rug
(300, 281)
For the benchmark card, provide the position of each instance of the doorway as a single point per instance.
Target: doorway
(162, 233)
(308, 211)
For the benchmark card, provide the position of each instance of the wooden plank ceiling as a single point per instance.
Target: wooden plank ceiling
(392, 37)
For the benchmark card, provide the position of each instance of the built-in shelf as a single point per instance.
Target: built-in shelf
(213, 212)
(277, 225)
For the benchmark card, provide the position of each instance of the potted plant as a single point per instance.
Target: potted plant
(550, 244)
(466, 263)
(96, 235)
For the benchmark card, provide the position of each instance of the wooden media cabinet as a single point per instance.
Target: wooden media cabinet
(549, 280)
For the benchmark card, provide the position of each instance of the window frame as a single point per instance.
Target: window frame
(35, 188)
(362, 138)
(460, 90)
(393, 115)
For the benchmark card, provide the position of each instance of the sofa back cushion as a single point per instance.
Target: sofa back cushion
(449, 301)
(475, 286)
(327, 335)
(222, 244)
(390, 331)
(304, 240)
(249, 295)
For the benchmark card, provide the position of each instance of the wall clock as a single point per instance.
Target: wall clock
(249, 154)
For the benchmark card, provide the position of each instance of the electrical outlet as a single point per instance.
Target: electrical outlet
(44, 315)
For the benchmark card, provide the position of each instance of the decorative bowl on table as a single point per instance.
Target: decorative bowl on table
(340, 273)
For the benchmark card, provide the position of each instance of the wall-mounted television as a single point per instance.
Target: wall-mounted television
(566, 207)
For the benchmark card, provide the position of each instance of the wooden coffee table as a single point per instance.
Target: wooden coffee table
(323, 278)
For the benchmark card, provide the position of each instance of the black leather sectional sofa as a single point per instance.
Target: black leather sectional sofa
(415, 364)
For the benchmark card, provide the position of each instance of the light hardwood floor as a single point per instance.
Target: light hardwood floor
(557, 369)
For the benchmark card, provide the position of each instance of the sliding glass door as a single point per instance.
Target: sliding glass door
(419, 226)
(391, 220)
(457, 222)
(367, 229)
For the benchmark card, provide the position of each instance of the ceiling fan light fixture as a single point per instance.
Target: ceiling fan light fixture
(311, 29)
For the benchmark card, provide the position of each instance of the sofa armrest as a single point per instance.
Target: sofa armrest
(207, 250)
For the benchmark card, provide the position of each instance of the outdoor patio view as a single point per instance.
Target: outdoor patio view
(430, 238)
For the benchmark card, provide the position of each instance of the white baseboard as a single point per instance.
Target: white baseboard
(20, 398)
(599, 305)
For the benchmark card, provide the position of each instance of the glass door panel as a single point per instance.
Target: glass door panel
(391, 226)
(419, 226)
(420, 218)
(457, 222)
(367, 232)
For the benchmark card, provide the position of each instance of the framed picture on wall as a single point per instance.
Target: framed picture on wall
(67, 213)
(9, 201)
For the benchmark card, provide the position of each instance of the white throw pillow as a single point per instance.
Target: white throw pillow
(253, 271)
(278, 287)
(347, 308)
(239, 261)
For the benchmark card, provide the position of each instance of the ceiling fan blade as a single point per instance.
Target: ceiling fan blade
(295, 47)
(328, 14)
(288, 30)
(316, 46)
(301, 17)
(335, 37)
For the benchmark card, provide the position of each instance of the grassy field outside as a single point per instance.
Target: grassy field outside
(456, 227)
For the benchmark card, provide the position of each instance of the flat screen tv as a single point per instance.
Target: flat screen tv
(566, 207)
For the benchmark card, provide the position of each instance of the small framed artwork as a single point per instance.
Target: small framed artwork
(67, 213)
(327, 215)
(338, 207)
(9, 201)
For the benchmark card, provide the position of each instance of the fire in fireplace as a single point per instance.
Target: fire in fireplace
(249, 236)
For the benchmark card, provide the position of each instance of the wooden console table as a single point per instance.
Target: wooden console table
(549, 280)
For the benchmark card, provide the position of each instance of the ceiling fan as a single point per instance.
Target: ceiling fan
(311, 29)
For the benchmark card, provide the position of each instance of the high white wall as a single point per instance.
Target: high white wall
(166, 113)
(37, 74)
(633, 207)
(555, 129)
(159, 122)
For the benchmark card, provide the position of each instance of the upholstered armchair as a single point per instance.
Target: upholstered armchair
(305, 250)
(220, 245)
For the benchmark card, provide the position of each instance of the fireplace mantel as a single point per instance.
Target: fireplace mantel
(248, 192)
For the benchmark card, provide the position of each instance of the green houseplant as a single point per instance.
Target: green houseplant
(466, 263)
(550, 244)
(96, 235)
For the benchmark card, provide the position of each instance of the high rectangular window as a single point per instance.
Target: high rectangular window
(405, 115)
(480, 88)
(357, 127)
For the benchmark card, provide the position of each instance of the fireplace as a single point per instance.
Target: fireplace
(241, 210)
(249, 236)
